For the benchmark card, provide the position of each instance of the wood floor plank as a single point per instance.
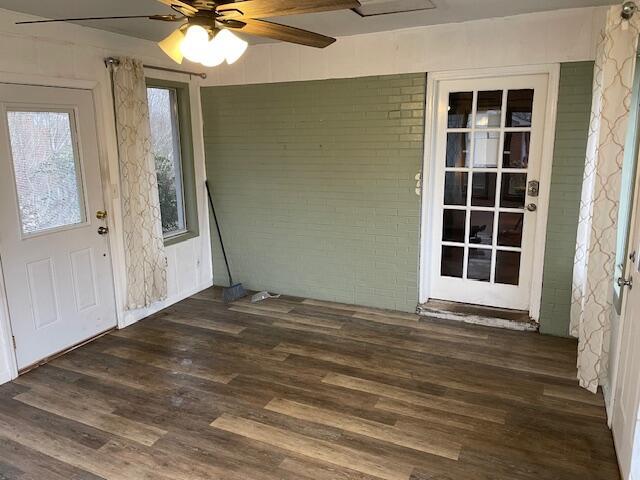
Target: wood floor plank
(170, 363)
(91, 414)
(206, 323)
(433, 445)
(423, 399)
(313, 448)
(83, 458)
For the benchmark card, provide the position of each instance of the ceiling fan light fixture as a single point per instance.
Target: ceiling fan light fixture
(195, 43)
(213, 56)
(171, 46)
(232, 45)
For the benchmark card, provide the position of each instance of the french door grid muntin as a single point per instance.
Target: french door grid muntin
(496, 209)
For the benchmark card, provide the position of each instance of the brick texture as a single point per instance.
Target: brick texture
(314, 184)
(574, 106)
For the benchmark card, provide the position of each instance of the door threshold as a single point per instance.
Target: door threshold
(479, 315)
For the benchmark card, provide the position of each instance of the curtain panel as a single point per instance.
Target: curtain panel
(146, 262)
(592, 290)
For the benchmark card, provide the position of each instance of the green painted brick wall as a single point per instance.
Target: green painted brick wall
(572, 125)
(314, 185)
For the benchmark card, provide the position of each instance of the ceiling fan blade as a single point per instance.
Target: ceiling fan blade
(166, 18)
(262, 28)
(183, 7)
(278, 8)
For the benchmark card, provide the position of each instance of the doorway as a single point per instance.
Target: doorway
(487, 190)
(54, 240)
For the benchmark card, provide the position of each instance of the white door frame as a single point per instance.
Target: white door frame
(107, 158)
(428, 180)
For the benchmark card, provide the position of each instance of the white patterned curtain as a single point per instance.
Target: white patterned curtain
(146, 262)
(593, 272)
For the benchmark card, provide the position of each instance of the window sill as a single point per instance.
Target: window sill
(179, 238)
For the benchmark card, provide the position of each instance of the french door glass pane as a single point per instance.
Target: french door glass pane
(483, 192)
(453, 225)
(479, 264)
(489, 109)
(519, 108)
(460, 108)
(457, 149)
(489, 151)
(510, 229)
(452, 263)
(486, 149)
(455, 188)
(481, 228)
(507, 267)
(516, 150)
(46, 170)
(513, 190)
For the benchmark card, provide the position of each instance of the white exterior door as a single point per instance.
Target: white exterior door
(488, 153)
(56, 265)
(627, 395)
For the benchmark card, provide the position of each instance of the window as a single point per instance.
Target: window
(46, 169)
(169, 118)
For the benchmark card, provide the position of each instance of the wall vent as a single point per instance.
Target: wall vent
(371, 8)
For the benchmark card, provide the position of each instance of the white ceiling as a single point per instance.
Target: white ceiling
(339, 23)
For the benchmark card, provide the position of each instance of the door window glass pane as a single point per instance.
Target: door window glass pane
(46, 169)
(165, 145)
(484, 189)
(460, 108)
(451, 264)
(489, 109)
(453, 225)
(519, 108)
(510, 229)
(507, 267)
(479, 264)
(485, 149)
(455, 188)
(457, 148)
(516, 150)
(513, 190)
(481, 228)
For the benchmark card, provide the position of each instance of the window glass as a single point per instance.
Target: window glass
(46, 170)
(165, 145)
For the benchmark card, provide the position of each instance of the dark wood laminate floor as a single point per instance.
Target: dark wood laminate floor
(301, 389)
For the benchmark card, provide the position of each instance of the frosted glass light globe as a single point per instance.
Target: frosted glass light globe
(213, 55)
(232, 46)
(195, 43)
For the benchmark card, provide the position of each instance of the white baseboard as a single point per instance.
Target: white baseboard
(131, 317)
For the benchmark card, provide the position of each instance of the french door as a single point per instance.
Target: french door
(488, 153)
(55, 255)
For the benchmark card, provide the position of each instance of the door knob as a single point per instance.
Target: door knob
(532, 207)
(103, 230)
(622, 282)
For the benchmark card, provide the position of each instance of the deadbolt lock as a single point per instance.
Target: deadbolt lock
(101, 214)
(533, 188)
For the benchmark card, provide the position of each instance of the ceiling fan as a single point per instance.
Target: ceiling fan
(205, 34)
